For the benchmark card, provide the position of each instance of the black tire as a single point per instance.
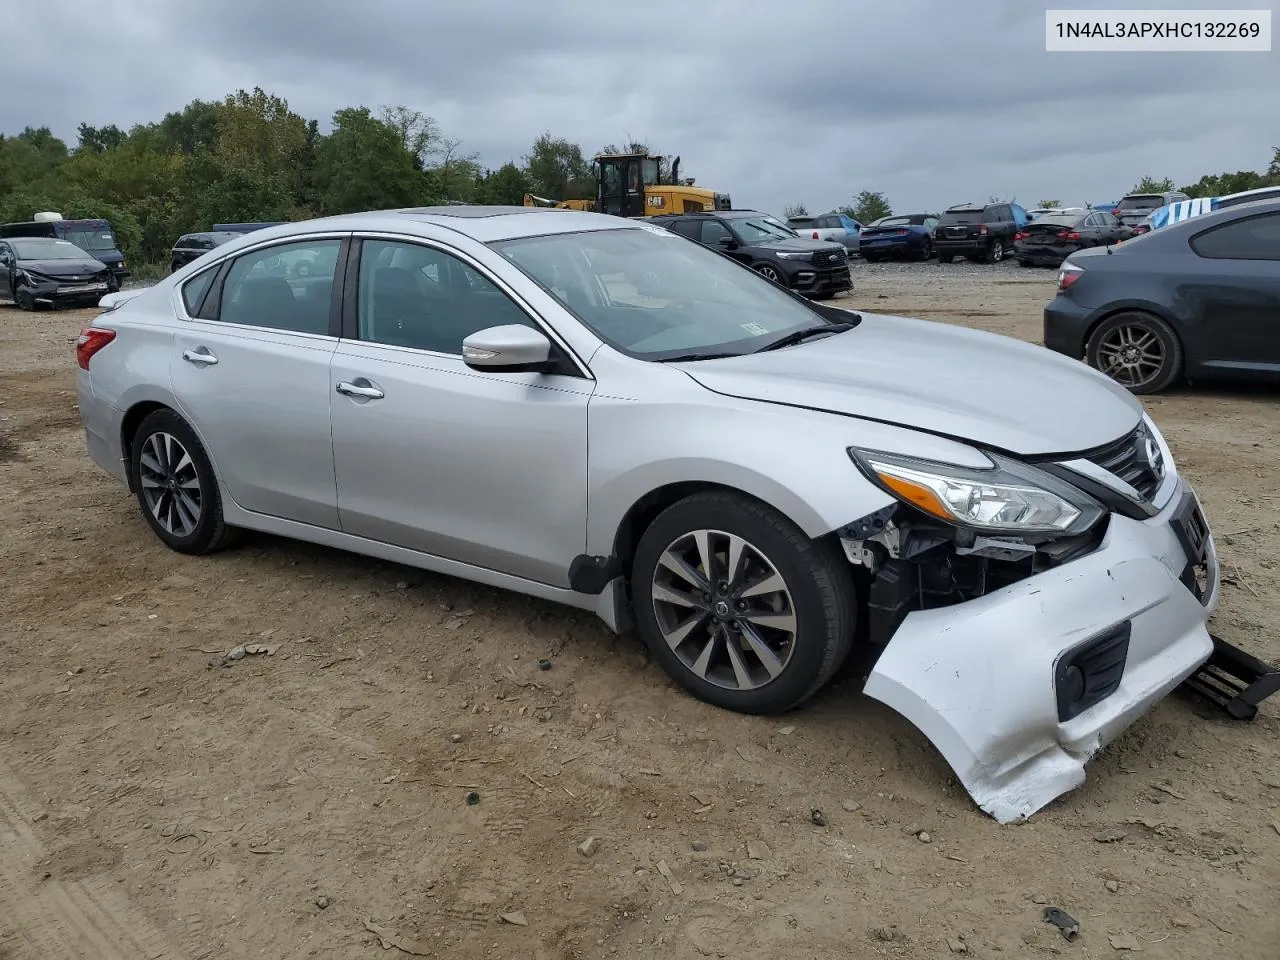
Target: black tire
(995, 251)
(946, 257)
(175, 266)
(1108, 338)
(926, 251)
(817, 579)
(24, 299)
(210, 532)
(869, 258)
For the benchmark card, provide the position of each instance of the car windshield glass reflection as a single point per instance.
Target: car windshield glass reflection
(655, 295)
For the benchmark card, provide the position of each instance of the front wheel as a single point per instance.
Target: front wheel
(739, 606)
(25, 299)
(770, 272)
(175, 485)
(1137, 350)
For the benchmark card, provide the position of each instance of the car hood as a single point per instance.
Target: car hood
(978, 387)
(63, 268)
(797, 244)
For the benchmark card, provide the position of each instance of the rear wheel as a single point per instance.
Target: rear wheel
(739, 606)
(926, 249)
(1137, 350)
(995, 251)
(175, 485)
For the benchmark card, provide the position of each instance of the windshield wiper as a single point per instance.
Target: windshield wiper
(800, 336)
(697, 356)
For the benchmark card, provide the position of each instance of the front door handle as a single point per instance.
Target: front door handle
(201, 356)
(360, 388)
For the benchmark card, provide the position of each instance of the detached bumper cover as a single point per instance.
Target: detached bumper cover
(978, 678)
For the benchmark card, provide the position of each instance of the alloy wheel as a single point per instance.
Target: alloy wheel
(997, 252)
(1132, 355)
(770, 274)
(724, 609)
(170, 484)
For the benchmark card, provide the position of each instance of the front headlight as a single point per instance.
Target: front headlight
(794, 256)
(1008, 497)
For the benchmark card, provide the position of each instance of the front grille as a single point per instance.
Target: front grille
(828, 258)
(1135, 459)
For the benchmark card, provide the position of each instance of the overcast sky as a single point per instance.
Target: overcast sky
(933, 102)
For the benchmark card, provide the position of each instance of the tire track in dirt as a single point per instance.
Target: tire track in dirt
(48, 919)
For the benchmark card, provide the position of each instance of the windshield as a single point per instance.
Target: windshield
(762, 229)
(962, 216)
(88, 237)
(655, 295)
(1140, 203)
(39, 248)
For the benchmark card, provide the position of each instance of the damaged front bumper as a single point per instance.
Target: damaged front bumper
(1019, 687)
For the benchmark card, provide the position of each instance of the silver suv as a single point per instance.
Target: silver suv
(594, 411)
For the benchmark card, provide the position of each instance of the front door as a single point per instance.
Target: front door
(483, 468)
(251, 374)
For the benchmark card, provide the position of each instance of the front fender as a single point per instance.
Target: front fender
(793, 459)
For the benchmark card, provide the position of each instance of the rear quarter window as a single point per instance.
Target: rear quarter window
(1254, 238)
(195, 289)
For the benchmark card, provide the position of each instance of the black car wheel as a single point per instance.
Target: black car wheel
(945, 257)
(1137, 350)
(926, 249)
(175, 485)
(175, 266)
(25, 299)
(770, 272)
(739, 606)
(995, 252)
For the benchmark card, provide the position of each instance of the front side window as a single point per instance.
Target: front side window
(646, 293)
(417, 296)
(713, 231)
(285, 287)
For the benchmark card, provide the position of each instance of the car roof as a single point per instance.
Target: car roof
(484, 224)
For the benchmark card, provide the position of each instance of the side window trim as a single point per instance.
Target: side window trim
(349, 318)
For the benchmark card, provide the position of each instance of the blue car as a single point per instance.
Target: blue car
(904, 235)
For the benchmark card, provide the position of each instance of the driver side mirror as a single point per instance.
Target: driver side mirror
(513, 348)
(727, 242)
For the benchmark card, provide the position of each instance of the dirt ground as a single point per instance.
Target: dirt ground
(313, 802)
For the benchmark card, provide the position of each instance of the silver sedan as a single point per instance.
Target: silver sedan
(598, 412)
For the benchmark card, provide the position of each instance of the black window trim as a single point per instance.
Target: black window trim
(349, 317)
(1191, 242)
(211, 303)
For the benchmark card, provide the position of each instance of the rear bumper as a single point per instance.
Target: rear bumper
(102, 429)
(889, 247)
(964, 247)
(1066, 324)
(979, 678)
(1048, 254)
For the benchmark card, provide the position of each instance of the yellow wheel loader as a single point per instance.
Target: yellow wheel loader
(632, 185)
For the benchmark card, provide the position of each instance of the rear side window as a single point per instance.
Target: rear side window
(1257, 238)
(686, 228)
(194, 290)
(287, 287)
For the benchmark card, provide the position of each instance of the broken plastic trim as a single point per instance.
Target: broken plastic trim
(1234, 680)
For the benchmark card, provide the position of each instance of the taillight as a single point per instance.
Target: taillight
(1021, 235)
(1141, 228)
(900, 233)
(90, 342)
(1068, 275)
(1068, 235)
(815, 235)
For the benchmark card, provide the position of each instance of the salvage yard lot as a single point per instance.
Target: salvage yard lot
(154, 803)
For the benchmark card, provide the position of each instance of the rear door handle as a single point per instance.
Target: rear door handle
(360, 387)
(201, 356)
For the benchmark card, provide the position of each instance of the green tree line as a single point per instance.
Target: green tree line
(249, 157)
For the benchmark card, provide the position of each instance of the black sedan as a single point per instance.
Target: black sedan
(1198, 299)
(190, 246)
(1055, 236)
(902, 235)
(44, 272)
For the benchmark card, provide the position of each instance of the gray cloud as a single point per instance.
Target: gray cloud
(929, 101)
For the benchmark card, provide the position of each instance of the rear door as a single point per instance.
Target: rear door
(250, 370)
(8, 264)
(1237, 294)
